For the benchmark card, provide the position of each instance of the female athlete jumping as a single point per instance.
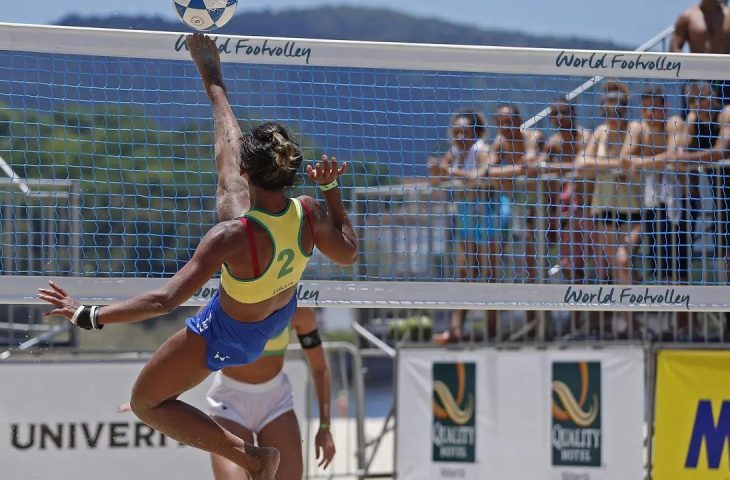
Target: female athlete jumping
(254, 303)
(257, 400)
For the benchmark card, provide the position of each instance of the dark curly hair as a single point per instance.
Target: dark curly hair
(271, 156)
(473, 119)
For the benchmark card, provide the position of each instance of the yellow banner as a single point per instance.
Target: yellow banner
(692, 416)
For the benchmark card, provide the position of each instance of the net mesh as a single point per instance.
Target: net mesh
(135, 138)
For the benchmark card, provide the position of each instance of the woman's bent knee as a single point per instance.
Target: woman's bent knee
(141, 404)
(140, 407)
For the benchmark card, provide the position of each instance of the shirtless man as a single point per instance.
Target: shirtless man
(616, 201)
(667, 219)
(511, 146)
(567, 197)
(666, 215)
(517, 152)
(704, 138)
(705, 26)
(707, 140)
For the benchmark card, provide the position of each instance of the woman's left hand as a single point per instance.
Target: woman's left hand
(326, 171)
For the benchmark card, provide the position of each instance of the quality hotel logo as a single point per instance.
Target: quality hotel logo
(454, 400)
(576, 414)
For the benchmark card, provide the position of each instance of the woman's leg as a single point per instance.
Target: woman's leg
(488, 253)
(471, 252)
(453, 333)
(600, 238)
(573, 240)
(224, 469)
(176, 367)
(283, 434)
(627, 239)
(601, 247)
(586, 251)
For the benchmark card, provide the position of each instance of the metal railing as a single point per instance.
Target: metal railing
(388, 424)
(40, 230)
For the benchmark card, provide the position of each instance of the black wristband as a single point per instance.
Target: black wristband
(85, 318)
(310, 340)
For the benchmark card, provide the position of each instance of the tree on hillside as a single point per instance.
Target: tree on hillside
(147, 194)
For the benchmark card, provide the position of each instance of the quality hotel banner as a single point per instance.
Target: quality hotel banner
(692, 415)
(547, 414)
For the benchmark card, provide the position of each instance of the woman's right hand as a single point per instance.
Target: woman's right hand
(206, 56)
(326, 171)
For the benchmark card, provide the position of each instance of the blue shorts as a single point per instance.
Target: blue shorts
(480, 222)
(231, 342)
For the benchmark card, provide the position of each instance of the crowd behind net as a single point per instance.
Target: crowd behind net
(106, 143)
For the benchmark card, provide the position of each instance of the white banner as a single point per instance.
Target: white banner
(59, 420)
(573, 414)
(438, 295)
(342, 53)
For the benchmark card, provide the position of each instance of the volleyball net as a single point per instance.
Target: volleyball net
(106, 149)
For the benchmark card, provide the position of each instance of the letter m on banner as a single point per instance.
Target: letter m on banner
(715, 435)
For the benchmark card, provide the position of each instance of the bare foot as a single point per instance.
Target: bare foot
(206, 57)
(269, 458)
(447, 337)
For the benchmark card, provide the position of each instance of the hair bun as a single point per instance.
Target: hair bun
(286, 151)
(271, 155)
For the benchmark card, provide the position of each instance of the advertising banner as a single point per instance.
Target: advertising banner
(574, 414)
(575, 433)
(440, 407)
(59, 420)
(692, 415)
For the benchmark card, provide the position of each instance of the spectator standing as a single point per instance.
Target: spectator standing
(567, 197)
(707, 141)
(516, 153)
(617, 196)
(463, 167)
(667, 212)
(616, 202)
(704, 138)
(705, 27)
(481, 209)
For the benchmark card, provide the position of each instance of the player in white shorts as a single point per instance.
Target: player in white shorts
(256, 399)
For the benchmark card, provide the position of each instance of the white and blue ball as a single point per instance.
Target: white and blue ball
(205, 15)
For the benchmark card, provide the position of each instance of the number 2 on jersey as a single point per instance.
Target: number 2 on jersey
(286, 256)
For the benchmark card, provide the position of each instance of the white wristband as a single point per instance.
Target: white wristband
(329, 186)
(94, 313)
(76, 314)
